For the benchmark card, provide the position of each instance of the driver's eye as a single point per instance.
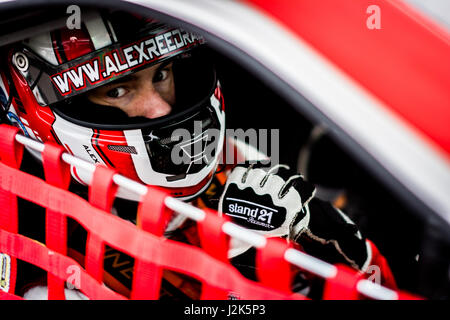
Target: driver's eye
(116, 92)
(161, 75)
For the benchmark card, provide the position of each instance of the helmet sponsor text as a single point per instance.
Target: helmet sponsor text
(119, 61)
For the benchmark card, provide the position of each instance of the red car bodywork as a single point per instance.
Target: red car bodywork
(405, 63)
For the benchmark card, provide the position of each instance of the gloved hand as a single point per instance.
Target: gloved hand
(332, 236)
(266, 200)
(277, 203)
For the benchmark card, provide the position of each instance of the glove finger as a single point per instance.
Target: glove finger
(306, 189)
(281, 170)
(254, 164)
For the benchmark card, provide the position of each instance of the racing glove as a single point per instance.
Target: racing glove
(277, 203)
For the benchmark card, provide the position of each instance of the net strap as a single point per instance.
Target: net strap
(272, 268)
(153, 217)
(343, 286)
(57, 173)
(102, 191)
(11, 153)
(33, 252)
(216, 243)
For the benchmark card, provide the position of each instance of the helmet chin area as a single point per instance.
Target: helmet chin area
(184, 148)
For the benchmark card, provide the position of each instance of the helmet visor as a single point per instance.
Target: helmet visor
(194, 81)
(54, 83)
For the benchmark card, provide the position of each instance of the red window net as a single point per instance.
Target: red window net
(153, 253)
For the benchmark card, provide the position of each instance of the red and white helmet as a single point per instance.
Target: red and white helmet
(51, 72)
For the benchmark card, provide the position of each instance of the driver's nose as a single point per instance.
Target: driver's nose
(149, 103)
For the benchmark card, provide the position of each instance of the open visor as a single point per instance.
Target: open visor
(54, 83)
(194, 82)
